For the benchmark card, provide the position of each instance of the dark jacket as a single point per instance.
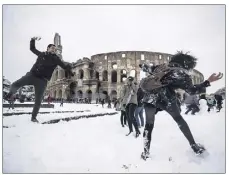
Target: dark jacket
(191, 99)
(176, 79)
(140, 95)
(46, 63)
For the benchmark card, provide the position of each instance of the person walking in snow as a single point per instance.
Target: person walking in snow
(160, 88)
(103, 102)
(130, 102)
(40, 74)
(192, 104)
(123, 117)
(109, 103)
(49, 99)
(61, 102)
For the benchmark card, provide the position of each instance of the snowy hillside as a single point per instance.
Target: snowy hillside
(99, 145)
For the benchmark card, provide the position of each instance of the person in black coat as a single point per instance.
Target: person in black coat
(192, 104)
(140, 108)
(165, 97)
(40, 74)
(109, 103)
(102, 102)
(62, 102)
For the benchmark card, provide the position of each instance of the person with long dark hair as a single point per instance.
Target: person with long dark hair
(160, 88)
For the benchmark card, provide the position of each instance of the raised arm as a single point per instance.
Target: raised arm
(183, 81)
(33, 47)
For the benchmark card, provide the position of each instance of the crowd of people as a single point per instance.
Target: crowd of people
(192, 102)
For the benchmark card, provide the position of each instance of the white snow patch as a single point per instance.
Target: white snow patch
(99, 145)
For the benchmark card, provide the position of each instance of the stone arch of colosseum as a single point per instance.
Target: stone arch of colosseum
(133, 73)
(113, 95)
(79, 94)
(103, 94)
(73, 88)
(81, 74)
(114, 77)
(97, 75)
(88, 94)
(123, 75)
(59, 94)
(55, 94)
(105, 75)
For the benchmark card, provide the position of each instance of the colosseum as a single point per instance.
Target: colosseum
(102, 75)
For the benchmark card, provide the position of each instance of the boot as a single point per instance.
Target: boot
(33, 119)
(197, 148)
(145, 155)
(129, 133)
(137, 134)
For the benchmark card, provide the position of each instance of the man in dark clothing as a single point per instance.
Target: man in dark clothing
(40, 74)
(139, 110)
(165, 97)
(11, 101)
(115, 102)
(219, 101)
(61, 102)
(102, 102)
(109, 103)
(192, 103)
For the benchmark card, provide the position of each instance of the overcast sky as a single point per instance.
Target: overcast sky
(88, 30)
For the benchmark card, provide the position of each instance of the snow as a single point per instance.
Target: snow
(99, 145)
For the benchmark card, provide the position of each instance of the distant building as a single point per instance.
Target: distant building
(102, 75)
(27, 90)
(6, 86)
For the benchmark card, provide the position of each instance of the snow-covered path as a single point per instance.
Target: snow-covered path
(99, 145)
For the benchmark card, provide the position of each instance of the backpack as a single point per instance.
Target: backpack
(153, 81)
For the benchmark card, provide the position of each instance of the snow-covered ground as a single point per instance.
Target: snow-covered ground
(99, 145)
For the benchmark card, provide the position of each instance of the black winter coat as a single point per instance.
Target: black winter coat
(176, 79)
(46, 63)
(140, 95)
